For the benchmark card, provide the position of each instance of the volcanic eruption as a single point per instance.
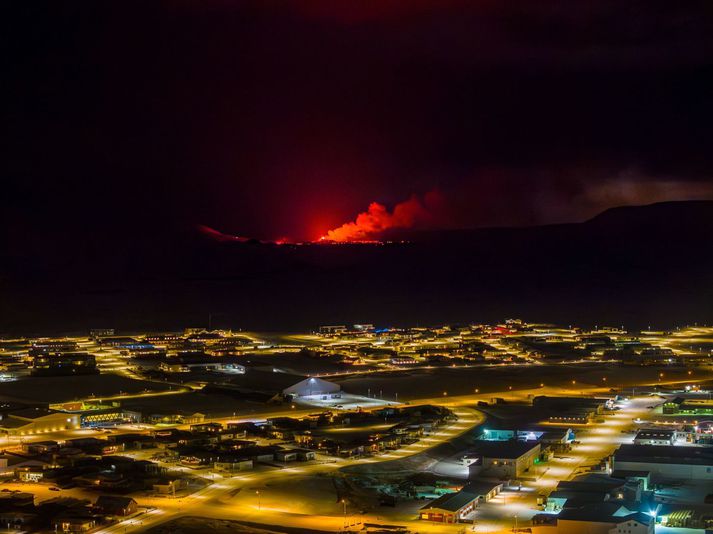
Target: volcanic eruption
(370, 225)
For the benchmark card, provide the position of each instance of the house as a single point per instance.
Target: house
(232, 464)
(206, 427)
(169, 486)
(116, 505)
(75, 522)
(104, 480)
(39, 447)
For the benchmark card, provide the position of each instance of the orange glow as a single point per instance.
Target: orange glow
(370, 224)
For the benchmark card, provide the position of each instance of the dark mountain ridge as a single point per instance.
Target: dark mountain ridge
(632, 265)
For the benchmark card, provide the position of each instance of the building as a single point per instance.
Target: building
(456, 507)
(594, 489)
(503, 459)
(64, 364)
(47, 346)
(117, 341)
(682, 406)
(666, 462)
(332, 330)
(312, 386)
(643, 476)
(558, 439)
(600, 518)
(95, 333)
(36, 421)
(109, 417)
(569, 410)
(186, 365)
(655, 437)
(115, 505)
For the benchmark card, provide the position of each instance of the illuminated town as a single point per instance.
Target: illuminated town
(356, 266)
(484, 428)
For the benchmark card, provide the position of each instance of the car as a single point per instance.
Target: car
(53, 488)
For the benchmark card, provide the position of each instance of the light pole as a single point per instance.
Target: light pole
(344, 522)
(257, 492)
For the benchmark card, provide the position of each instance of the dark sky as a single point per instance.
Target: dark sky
(130, 121)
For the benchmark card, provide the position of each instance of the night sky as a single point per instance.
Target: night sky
(129, 124)
(286, 119)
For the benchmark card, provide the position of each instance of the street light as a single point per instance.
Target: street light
(257, 492)
(344, 522)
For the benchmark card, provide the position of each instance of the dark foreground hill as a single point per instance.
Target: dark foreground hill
(632, 265)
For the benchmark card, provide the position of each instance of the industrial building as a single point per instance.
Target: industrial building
(456, 507)
(666, 462)
(655, 437)
(503, 459)
(569, 410)
(600, 518)
(36, 421)
(312, 386)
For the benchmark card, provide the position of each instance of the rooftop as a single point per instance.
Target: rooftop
(664, 454)
(451, 501)
(504, 449)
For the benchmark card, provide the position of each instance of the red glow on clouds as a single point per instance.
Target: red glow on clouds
(372, 223)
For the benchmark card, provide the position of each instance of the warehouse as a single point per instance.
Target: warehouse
(666, 462)
(456, 507)
(312, 386)
(37, 420)
(655, 437)
(503, 459)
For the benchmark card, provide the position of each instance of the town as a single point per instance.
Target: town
(459, 428)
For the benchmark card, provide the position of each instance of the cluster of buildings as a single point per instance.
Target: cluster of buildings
(19, 512)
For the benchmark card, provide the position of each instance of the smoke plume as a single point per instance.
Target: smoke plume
(370, 224)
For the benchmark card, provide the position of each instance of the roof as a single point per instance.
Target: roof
(313, 384)
(664, 454)
(9, 422)
(613, 513)
(577, 499)
(267, 381)
(598, 486)
(451, 501)
(654, 434)
(481, 487)
(628, 473)
(510, 450)
(568, 402)
(113, 501)
(33, 413)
